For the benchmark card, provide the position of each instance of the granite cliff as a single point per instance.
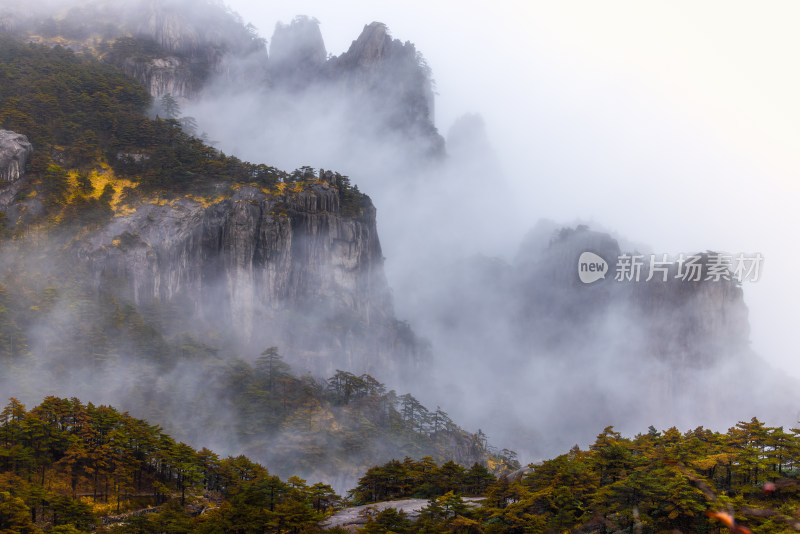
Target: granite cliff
(288, 269)
(15, 151)
(171, 46)
(251, 256)
(297, 55)
(394, 78)
(691, 324)
(617, 351)
(293, 265)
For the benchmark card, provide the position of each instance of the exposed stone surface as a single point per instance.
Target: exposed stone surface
(297, 53)
(396, 81)
(182, 44)
(200, 40)
(689, 323)
(8, 21)
(162, 76)
(383, 83)
(15, 150)
(373, 47)
(646, 350)
(193, 50)
(174, 28)
(356, 516)
(289, 271)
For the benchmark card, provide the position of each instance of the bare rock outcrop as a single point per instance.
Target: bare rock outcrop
(689, 323)
(297, 53)
(394, 78)
(356, 516)
(289, 270)
(161, 76)
(15, 151)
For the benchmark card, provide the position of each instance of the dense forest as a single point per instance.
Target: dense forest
(66, 466)
(744, 480)
(96, 145)
(72, 467)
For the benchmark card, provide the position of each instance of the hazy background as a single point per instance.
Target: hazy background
(674, 127)
(673, 124)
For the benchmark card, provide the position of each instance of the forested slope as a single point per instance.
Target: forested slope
(66, 466)
(106, 192)
(743, 480)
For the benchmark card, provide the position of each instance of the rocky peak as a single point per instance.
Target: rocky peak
(371, 47)
(468, 135)
(688, 323)
(392, 80)
(297, 52)
(189, 27)
(692, 324)
(183, 44)
(15, 151)
(168, 28)
(375, 58)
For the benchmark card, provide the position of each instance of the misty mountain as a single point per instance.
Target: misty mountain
(172, 47)
(202, 54)
(568, 353)
(194, 252)
(142, 266)
(299, 266)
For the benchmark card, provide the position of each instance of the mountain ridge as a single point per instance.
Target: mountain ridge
(179, 225)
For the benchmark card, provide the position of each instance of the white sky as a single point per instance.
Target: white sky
(675, 124)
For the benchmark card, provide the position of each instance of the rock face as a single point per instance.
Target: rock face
(289, 271)
(625, 352)
(8, 22)
(199, 40)
(356, 516)
(383, 84)
(396, 79)
(297, 53)
(173, 46)
(690, 324)
(198, 51)
(188, 40)
(162, 76)
(15, 150)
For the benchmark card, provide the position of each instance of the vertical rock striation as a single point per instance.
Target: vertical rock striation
(169, 75)
(287, 270)
(297, 54)
(15, 151)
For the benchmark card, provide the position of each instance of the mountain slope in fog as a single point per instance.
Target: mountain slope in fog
(202, 54)
(141, 266)
(570, 354)
(556, 357)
